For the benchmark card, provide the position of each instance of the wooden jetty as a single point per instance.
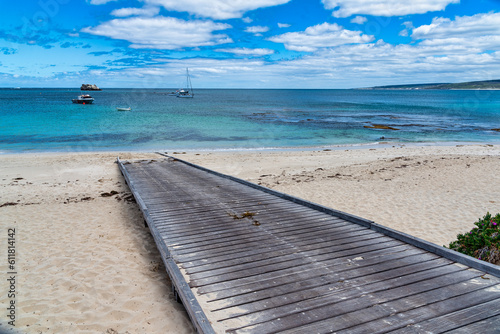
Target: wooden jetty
(247, 259)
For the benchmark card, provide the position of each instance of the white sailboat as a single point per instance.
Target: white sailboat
(188, 91)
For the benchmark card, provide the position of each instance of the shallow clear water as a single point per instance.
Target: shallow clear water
(46, 120)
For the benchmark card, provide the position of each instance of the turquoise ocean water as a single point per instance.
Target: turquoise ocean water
(42, 120)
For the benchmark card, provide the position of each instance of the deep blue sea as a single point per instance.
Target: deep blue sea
(42, 120)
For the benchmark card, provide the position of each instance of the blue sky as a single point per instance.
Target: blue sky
(247, 43)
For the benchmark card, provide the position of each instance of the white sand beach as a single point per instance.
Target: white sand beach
(85, 263)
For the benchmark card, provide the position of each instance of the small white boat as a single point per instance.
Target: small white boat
(84, 99)
(188, 92)
(123, 108)
(184, 93)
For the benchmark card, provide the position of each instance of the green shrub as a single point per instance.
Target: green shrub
(483, 241)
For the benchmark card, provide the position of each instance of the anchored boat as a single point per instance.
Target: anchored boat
(84, 99)
(188, 91)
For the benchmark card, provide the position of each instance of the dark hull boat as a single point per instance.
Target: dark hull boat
(84, 99)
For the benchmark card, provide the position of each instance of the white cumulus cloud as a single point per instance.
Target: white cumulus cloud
(408, 25)
(162, 32)
(478, 33)
(346, 8)
(216, 9)
(247, 51)
(100, 2)
(396, 64)
(359, 20)
(146, 11)
(257, 29)
(463, 26)
(320, 36)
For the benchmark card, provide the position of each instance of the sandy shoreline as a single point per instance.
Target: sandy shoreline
(85, 263)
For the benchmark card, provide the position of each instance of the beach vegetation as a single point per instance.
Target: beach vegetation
(483, 241)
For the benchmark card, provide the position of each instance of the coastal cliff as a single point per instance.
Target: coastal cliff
(470, 85)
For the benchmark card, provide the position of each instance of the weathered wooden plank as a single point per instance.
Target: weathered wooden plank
(248, 241)
(340, 311)
(308, 249)
(333, 281)
(262, 253)
(292, 275)
(226, 224)
(435, 304)
(186, 204)
(288, 233)
(204, 279)
(197, 224)
(467, 318)
(278, 257)
(305, 245)
(486, 326)
(194, 215)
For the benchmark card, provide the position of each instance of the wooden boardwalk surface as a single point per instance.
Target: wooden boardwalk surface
(248, 260)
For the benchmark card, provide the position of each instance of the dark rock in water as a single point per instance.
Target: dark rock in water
(89, 87)
(380, 126)
(498, 130)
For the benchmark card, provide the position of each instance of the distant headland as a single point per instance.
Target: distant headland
(490, 84)
(89, 87)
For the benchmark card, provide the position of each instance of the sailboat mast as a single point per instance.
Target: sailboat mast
(188, 92)
(189, 82)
